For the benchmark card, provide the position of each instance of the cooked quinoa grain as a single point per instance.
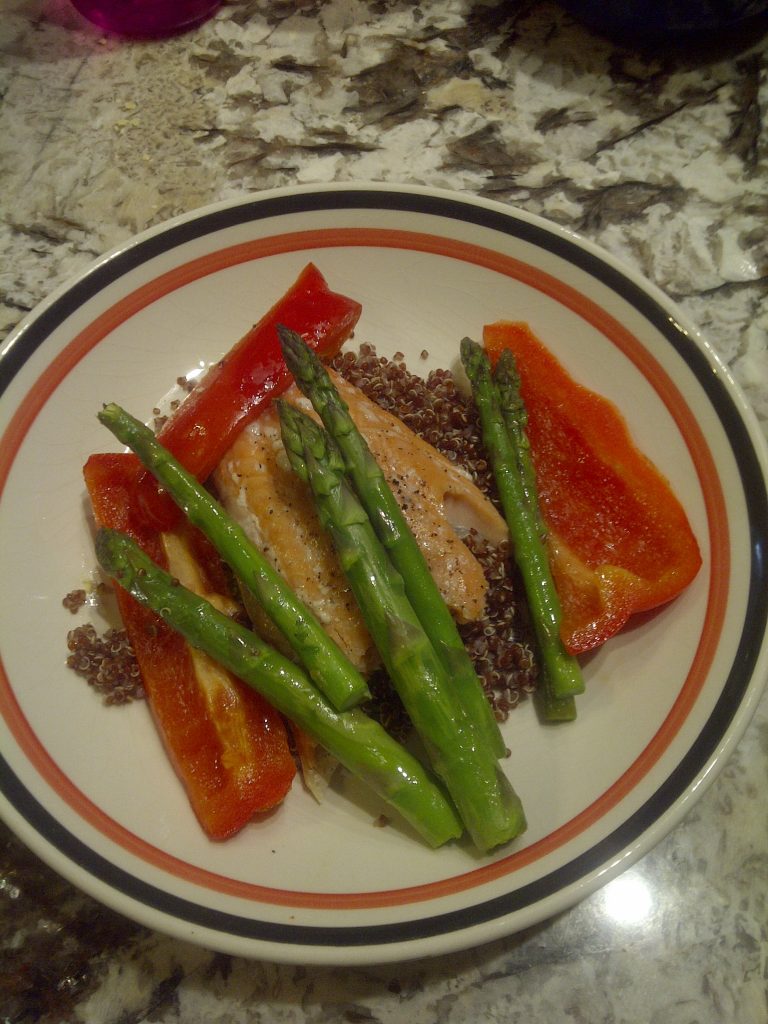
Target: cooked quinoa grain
(74, 600)
(434, 408)
(106, 662)
(498, 643)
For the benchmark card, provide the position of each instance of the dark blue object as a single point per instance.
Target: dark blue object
(629, 20)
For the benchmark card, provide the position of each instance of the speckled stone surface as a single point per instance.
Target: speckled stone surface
(661, 156)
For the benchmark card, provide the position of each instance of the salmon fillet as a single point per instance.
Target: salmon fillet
(262, 493)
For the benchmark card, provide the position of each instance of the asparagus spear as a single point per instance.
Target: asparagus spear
(555, 707)
(515, 416)
(487, 804)
(502, 417)
(356, 740)
(394, 533)
(328, 666)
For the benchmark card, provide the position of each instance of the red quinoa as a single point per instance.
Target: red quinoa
(106, 662)
(74, 600)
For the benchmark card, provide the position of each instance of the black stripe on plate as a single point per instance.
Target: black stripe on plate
(706, 743)
(34, 333)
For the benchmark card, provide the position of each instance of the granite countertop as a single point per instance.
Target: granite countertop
(658, 154)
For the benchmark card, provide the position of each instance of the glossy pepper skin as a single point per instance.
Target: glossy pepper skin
(233, 755)
(235, 390)
(228, 745)
(619, 539)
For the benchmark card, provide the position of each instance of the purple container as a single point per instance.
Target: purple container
(146, 18)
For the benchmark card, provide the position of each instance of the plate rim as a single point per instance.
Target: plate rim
(17, 350)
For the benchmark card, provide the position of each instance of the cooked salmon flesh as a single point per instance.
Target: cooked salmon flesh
(440, 502)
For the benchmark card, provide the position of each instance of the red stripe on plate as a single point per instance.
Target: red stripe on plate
(569, 297)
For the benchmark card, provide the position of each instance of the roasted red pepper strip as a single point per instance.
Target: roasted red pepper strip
(228, 745)
(620, 540)
(237, 388)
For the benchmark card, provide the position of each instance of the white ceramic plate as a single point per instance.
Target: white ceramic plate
(89, 788)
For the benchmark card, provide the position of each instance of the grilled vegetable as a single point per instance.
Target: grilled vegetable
(393, 532)
(487, 804)
(236, 388)
(328, 666)
(502, 418)
(352, 737)
(589, 471)
(228, 745)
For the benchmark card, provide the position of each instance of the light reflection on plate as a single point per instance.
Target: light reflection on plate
(89, 788)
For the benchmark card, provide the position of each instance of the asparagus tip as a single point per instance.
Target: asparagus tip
(288, 336)
(293, 347)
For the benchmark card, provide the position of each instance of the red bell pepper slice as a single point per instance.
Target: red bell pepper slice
(619, 538)
(228, 745)
(237, 388)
